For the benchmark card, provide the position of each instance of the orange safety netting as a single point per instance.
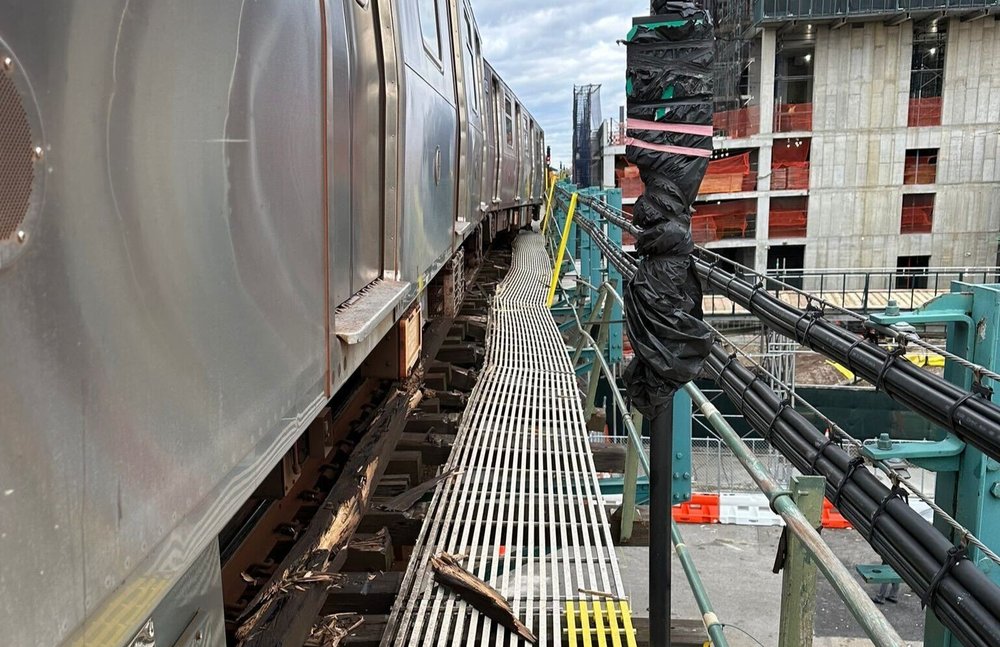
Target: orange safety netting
(920, 168)
(924, 111)
(742, 122)
(787, 224)
(917, 215)
(729, 175)
(790, 165)
(792, 117)
(629, 181)
(788, 218)
(730, 219)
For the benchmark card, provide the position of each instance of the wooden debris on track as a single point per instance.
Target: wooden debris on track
(483, 597)
(406, 500)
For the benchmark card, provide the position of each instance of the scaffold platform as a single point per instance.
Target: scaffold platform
(526, 511)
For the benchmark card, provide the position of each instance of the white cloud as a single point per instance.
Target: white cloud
(542, 48)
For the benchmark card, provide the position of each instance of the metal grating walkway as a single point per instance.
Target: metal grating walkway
(526, 510)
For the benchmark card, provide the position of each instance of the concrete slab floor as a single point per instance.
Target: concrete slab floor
(735, 563)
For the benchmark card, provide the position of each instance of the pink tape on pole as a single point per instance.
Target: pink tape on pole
(685, 129)
(663, 148)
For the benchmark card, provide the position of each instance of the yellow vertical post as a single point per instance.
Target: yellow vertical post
(548, 203)
(562, 251)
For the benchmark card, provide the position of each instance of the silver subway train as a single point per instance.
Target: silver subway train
(211, 211)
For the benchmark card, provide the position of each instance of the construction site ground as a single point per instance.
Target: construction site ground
(736, 563)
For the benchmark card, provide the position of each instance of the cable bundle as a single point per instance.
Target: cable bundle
(971, 417)
(961, 595)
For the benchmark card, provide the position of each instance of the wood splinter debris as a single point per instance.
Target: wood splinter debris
(483, 597)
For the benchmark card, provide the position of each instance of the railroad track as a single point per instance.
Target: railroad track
(316, 557)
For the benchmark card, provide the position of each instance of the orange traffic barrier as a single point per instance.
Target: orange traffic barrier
(702, 508)
(832, 518)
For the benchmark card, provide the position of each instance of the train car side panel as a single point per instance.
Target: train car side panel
(164, 328)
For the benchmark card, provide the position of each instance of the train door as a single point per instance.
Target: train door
(366, 127)
(489, 184)
(429, 122)
(500, 102)
(472, 54)
(465, 44)
(518, 156)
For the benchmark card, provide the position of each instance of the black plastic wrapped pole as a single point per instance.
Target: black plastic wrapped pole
(669, 139)
(661, 441)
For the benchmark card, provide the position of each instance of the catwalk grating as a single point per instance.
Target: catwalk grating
(526, 510)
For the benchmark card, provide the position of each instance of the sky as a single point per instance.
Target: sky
(542, 48)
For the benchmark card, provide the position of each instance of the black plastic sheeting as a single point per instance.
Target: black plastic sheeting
(669, 72)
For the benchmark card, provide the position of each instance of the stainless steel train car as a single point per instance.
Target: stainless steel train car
(210, 214)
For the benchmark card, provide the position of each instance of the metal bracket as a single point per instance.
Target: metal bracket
(937, 456)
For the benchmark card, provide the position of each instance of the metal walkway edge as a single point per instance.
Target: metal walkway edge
(526, 510)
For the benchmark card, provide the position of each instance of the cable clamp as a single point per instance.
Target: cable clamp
(852, 467)
(729, 360)
(743, 393)
(850, 349)
(810, 313)
(980, 389)
(892, 355)
(819, 453)
(785, 404)
(897, 492)
(955, 555)
(953, 409)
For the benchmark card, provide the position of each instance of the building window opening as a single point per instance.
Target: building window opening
(920, 166)
(788, 217)
(790, 164)
(927, 73)
(730, 171)
(793, 88)
(911, 272)
(918, 213)
(724, 219)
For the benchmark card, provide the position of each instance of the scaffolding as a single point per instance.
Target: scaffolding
(587, 120)
(736, 112)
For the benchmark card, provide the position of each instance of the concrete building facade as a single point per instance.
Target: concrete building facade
(866, 139)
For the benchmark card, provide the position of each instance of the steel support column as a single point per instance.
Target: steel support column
(661, 432)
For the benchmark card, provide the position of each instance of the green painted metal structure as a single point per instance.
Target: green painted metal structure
(968, 482)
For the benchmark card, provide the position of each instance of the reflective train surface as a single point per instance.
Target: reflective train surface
(211, 212)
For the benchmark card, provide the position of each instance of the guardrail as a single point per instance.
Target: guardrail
(874, 623)
(860, 290)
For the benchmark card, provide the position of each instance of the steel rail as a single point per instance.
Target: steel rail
(874, 623)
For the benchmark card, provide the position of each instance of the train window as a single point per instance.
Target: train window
(472, 66)
(429, 27)
(480, 86)
(508, 109)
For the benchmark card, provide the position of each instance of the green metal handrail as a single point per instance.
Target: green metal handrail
(848, 589)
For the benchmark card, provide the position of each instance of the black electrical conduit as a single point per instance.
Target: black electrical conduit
(961, 595)
(972, 418)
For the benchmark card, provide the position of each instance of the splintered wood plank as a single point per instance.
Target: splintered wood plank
(483, 597)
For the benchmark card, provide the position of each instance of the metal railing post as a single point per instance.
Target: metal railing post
(630, 485)
(595, 369)
(798, 580)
